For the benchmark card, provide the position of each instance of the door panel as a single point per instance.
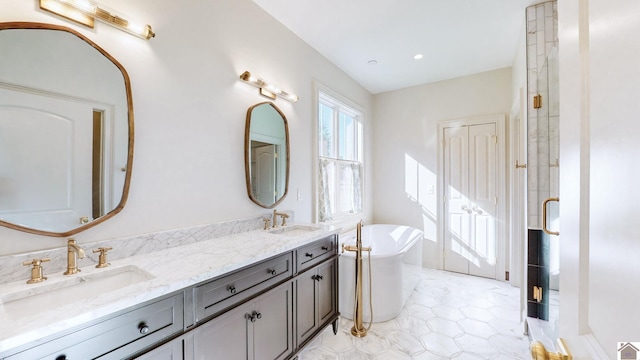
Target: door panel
(272, 338)
(470, 183)
(483, 179)
(265, 157)
(59, 133)
(456, 186)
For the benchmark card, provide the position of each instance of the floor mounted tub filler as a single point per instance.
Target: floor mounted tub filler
(396, 257)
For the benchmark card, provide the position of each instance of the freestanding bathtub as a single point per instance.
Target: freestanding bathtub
(396, 256)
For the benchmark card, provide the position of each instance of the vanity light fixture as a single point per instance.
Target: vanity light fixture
(267, 89)
(84, 12)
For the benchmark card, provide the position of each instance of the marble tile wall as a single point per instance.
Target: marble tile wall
(11, 268)
(542, 124)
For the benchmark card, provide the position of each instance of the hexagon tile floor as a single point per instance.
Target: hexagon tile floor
(448, 316)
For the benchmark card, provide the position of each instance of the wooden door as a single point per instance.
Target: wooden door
(470, 196)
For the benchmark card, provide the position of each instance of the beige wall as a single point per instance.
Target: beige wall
(190, 111)
(405, 151)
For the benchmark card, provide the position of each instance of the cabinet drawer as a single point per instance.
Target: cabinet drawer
(316, 252)
(116, 337)
(227, 291)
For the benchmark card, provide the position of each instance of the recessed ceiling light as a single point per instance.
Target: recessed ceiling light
(418, 56)
(372, 62)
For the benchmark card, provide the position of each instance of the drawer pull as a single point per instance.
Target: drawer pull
(61, 357)
(272, 272)
(231, 289)
(259, 315)
(317, 277)
(325, 248)
(308, 255)
(144, 328)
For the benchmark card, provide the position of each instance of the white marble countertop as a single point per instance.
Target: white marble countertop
(172, 270)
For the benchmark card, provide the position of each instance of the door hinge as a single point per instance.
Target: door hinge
(506, 276)
(495, 200)
(495, 139)
(444, 198)
(275, 155)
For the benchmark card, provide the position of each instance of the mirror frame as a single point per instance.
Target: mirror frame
(247, 155)
(127, 85)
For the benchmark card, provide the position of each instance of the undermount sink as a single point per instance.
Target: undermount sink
(52, 294)
(294, 230)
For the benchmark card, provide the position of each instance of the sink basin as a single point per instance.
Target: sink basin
(294, 230)
(52, 294)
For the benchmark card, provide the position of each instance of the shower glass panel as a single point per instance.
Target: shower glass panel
(548, 157)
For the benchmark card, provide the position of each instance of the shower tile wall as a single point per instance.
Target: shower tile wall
(542, 40)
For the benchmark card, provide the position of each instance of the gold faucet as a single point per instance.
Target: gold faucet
(358, 329)
(284, 217)
(73, 253)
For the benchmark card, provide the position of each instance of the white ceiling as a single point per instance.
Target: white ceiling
(457, 37)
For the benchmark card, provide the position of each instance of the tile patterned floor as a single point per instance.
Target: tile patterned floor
(448, 316)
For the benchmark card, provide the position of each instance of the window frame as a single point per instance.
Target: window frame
(339, 104)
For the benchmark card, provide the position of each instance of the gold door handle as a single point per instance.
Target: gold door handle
(544, 216)
(537, 293)
(540, 352)
(520, 166)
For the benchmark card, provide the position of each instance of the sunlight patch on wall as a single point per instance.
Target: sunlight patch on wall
(420, 187)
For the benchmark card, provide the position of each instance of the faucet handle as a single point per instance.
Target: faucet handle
(266, 223)
(284, 219)
(36, 270)
(102, 258)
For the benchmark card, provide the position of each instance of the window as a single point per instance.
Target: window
(340, 169)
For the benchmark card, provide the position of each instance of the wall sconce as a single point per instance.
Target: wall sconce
(266, 89)
(84, 12)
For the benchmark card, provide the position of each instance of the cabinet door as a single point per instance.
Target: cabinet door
(316, 299)
(168, 351)
(273, 330)
(327, 281)
(224, 337)
(306, 305)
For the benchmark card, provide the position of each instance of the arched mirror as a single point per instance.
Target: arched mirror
(266, 154)
(66, 130)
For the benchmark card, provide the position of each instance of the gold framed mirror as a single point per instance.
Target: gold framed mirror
(66, 130)
(266, 154)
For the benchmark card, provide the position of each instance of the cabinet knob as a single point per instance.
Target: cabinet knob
(61, 357)
(253, 316)
(317, 277)
(231, 289)
(325, 248)
(273, 272)
(308, 255)
(144, 328)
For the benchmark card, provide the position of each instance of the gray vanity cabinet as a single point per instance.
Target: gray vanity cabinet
(267, 310)
(316, 299)
(115, 337)
(260, 329)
